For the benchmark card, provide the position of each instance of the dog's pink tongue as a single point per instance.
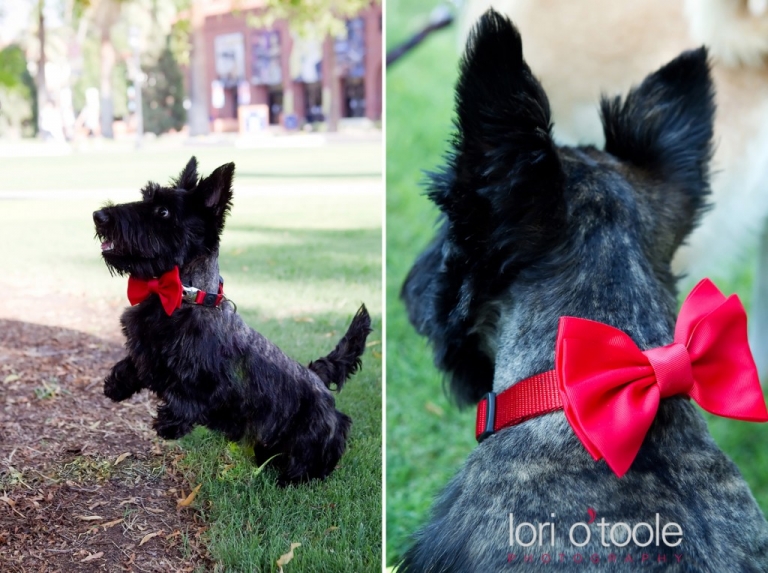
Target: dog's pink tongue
(106, 245)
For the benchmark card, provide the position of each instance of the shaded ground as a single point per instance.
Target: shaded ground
(85, 485)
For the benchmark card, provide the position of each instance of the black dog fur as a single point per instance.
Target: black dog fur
(206, 365)
(529, 232)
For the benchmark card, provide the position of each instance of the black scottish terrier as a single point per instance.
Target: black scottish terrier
(531, 232)
(187, 343)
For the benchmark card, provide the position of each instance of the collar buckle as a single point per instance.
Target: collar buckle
(189, 294)
(199, 297)
(486, 417)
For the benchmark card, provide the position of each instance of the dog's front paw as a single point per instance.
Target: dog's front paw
(171, 429)
(123, 382)
(117, 391)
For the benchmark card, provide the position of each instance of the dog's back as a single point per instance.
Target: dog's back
(540, 469)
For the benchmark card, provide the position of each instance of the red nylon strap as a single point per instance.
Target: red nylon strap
(529, 398)
(221, 293)
(201, 295)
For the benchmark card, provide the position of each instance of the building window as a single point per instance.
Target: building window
(350, 51)
(267, 69)
(350, 62)
(229, 55)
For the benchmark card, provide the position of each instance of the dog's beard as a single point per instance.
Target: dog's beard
(138, 252)
(124, 265)
(121, 259)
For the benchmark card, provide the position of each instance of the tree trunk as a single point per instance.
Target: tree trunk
(107, 14)
(198, 90)
(335, 108)
(105, 82)
(42, 90)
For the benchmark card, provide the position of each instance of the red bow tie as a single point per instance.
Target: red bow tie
(610, 389)
(167, 287)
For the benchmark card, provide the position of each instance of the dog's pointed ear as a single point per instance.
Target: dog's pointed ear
(502, 191)
(664, 126)
(215, 191)
(503, 148)
(187, 179)
(501, 195)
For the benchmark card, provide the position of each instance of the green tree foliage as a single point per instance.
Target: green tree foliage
(179, 40)
(18, 104)
(12, 67)
(163, 95)
(320, 17)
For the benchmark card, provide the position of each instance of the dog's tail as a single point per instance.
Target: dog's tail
(344, 360)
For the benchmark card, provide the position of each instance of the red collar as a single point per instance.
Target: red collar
(610, 390)
(172, 292)
(530, 398)
(197, 296)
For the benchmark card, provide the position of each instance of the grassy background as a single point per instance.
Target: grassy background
(427, 437)
(298, 262)
(115, 165)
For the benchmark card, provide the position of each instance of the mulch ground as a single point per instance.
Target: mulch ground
(85, 484)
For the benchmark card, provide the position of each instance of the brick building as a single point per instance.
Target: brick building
(259, 77)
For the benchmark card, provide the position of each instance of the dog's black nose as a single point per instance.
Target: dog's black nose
(100, 217)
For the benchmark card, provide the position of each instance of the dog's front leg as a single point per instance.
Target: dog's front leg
(173, 420)
(123, 381)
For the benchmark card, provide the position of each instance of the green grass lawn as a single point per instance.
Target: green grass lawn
(298, 266)
(427, 437)
(116, 166)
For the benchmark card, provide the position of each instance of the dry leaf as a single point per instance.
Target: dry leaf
(153, 510)
(190, 498)
(89, 517)
(331, 528)
(98, 555)
(11, 378)
(112, 523)
(372, 343)
(286, 557)
(97, 504)
(149, 536)
(121, 457)
(8, 500)
(433, 408)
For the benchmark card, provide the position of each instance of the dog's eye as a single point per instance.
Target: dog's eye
(162, 212)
